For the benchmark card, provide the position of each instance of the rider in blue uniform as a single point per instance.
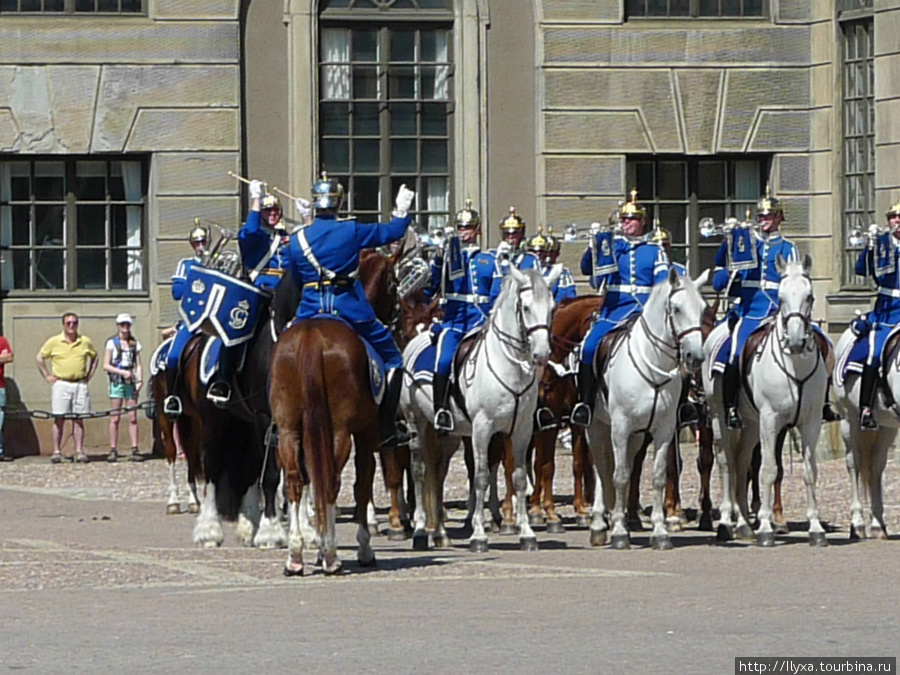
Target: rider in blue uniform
(468, 290)
(630, 266)
(545, 247)
(324, 259)
(511, 249)
(199, 239)
(883, 263)
(263, 241)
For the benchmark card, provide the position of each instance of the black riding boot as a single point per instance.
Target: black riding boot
(389, 429)
(443, 418)
(731, 389)
(687, 411)
(172, 404)
(583, 411)
(219, 391)
(867, 391)
(829, 414)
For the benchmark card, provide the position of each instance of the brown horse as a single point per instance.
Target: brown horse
(321, 403)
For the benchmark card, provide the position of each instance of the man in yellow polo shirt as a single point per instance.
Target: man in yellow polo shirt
(68, 362)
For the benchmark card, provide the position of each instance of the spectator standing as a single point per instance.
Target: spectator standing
(122, 362)
(6, 356)
(68, 361)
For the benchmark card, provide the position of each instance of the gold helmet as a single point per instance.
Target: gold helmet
(269, 201)
(539, 243)
(632, 209)
(198, 233)
(768, 205)
(467, 218)
(512, 223)
(661, 236)
(555, 244)
(893, 211)
(328, 193)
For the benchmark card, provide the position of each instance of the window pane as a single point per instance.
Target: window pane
(403, 156)
(707, 258)
(714, 211)
(49, 181)
(403, 119)
(31, 5)
(8, 5)
(49, 225)
(403, 45)
(91, 225)
(635, 7)
(91, 269)
(679, 7)
(20, 180)
(49, 268)
(120, 262)
(434, 4)
(365, 195)
(643, 180)
(709, 8)
(107, 5)
(53, 5)
(365, 45)
(434, 156)
(334, 119)
(336, 155)
(673, 217)
(84, 5)
(365, 156)
(21, 225)
(118, 225)
(434, 45)
(90, 180)
(365, 82)
(365, 119)
(753, 8)
(746, 180)
(711, 180)
(434, 119)
(731, 7)
(131, 5)
(402, 82)
(21, 261)
(671, 181)
(657, 7)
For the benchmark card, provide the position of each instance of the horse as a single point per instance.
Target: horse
(322, 405)
(643, 377)
(867, 450)
(498, 379)
(167, 432)
(784, 381)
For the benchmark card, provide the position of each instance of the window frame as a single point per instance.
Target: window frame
(71, 246)
(693, 11)
(69, 8)
(385, 24)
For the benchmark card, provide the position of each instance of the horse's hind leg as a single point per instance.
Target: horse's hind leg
(672, 501)
(500, 445)
(481, 439)
(393, 463)
(208, 527)
(270, 533)
(289, 459)
(877, 462)
(705, 459)
(362, 492)
(809, 436)
(778, 521)
(545, 480)
(633, 509)
(582, 474)
(857, 445)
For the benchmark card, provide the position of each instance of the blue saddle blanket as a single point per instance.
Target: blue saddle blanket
(221, 305)
(160, 354)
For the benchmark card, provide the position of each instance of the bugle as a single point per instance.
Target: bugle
(860, 239)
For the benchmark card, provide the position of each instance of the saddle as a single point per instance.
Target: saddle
(605, 349)
(459, 360)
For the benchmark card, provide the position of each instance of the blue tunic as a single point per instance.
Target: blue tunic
(641, 265)
(255, 242)
(564, 288)
(182, 334)
(885, 316)
(324, 260)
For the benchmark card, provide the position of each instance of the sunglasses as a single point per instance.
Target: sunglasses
(71, 323)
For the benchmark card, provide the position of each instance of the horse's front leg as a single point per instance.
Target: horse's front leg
(517, 447)
(743, 459)
(603, 482)
(583, 473)
(809, 437)
(418, 470)
(481, 439)
(208, 526)
(362, 492)
(624, 459)
(173, 506)
(248, 516)
(659, 537)
(768, 472)
(884, 441)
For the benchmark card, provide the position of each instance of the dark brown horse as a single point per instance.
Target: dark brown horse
(322, 405)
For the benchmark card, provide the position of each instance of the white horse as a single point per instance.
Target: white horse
(499, 380)
(785, 387)
(643, 375)
(867, 451)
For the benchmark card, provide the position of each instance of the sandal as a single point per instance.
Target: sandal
(136, 456)
(83, 459)
(55, 458)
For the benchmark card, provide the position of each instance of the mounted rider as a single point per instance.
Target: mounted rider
(465, 276)
(745, 262)
(630, 265)
(263, 242)
(546, 248)
(510, 250)
(324, 259)
(880, 261)
(663, 238)
(199, 240)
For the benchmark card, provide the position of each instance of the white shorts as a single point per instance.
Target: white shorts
(70, 397)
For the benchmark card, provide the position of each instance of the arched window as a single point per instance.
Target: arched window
(385, 99)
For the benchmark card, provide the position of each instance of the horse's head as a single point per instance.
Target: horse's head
(686, 313)
(376, 272)
(795, 295)
(416, 314)
(533, 307)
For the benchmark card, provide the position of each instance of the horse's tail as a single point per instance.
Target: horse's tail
(317, 435)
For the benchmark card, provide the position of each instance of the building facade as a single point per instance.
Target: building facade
(121, 119)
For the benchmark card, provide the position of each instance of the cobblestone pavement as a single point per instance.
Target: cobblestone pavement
(94, 575)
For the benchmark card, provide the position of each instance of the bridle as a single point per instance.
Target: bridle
(518, 344)
(805, 319)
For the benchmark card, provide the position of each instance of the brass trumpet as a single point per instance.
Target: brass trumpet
(860, 239)
(710, 228)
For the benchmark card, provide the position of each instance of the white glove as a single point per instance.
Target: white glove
(595, 228)
(304, 207)
(503, 249)
(404, 200)
(873, 229)
(256, 189)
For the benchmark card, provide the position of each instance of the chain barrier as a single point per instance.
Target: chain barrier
(12, 413)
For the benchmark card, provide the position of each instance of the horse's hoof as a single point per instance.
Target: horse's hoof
(420, 541)
(674, 525)
(724, 533)
(744, 532)
(634, 524)
(598, 537)
(442, 541)
(478, 545)
(878, 533)
(555, 527)
(818, 539)
(508, 529)
(373, 530)
(706, 523)
(765, 539)
(535, 519)
(621, 542)
(289, 572)
(528, 543)
(193, 508)
(334, 569)
(781, 528)
(368, 563)
(173, 509)
(582, 520)
(396, 535)
(661, 543)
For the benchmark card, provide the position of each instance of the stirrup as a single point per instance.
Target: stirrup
(443, 422)
(399, 436)
(219, 393)
(867, 420)
(687, 414)
(172, 406)
(544, 419)
(829, 414)
(581, 415)
(733, 419)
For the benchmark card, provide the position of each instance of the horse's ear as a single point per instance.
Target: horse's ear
(553, 277)
(517, 274)
(673, 276)
(807, 264)
(395, 257)
(703, 278)
(780, 264)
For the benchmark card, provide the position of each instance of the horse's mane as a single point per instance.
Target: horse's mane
(508, 281)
